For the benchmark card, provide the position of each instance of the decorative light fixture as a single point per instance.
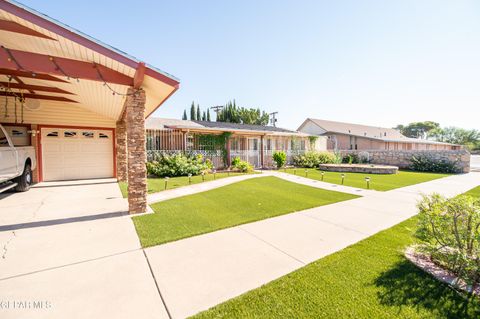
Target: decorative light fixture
(367, 179)
(166, 182)
(343, 178)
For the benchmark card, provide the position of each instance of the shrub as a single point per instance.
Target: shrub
(313, 159)
(351, 159)
(235, 161)
(280, 158)
(427, 164)
(177, 165)
(450, 233)
(244, 167)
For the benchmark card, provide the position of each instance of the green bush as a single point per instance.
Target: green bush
(449, 230)
(235, 161)
(314, 158)
(177, 165)
(426, 164)
(244, 167)
(280, 158)
(351, 159)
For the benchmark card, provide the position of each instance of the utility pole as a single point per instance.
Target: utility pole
(273, 119)
(216, 109)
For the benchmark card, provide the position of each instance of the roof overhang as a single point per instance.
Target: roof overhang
(53, 62)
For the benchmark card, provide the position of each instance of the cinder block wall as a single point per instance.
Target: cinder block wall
(402, 158)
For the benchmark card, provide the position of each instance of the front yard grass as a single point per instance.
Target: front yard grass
(379, 182)
(371, 279)
(155, 185)
(475, 192)
(227, 206)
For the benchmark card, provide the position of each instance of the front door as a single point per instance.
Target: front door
(254, 151)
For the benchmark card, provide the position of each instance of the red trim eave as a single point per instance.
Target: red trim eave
(166, 98)
(75, 37)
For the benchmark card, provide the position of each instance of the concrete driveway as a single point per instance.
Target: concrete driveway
(69, 250)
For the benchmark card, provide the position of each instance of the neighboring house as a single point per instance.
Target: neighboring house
(347, 136)
(75, 99)
(253, 143)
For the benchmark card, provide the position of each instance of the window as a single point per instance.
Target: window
(269, 144)
(69, 134)
(102, 135)
(87, 134)
(52, 134)
(17, 133)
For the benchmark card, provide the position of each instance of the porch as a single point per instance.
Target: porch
(221, 147)
(80, 103)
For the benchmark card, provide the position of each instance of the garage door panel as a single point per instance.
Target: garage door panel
(76, 154)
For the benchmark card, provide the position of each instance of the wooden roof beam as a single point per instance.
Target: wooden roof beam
(30, 75)
(29, 87)
(40, 63)
(139, 76)
(38, 97)
(12, 26)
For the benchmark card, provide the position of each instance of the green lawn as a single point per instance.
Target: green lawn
(475, 192)
(370, 279)
(227, 206)
(379, 182)
(156, 185)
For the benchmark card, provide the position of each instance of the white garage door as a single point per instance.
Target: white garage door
(76, 154)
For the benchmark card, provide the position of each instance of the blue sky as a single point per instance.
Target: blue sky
(372, 62)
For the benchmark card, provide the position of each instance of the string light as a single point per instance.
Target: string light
(11, 57)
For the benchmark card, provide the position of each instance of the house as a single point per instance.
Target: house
(348, 136)
(76, 99)
(252, 143)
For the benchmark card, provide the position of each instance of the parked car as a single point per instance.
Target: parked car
(16, 164)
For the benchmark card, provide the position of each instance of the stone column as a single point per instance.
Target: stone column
(136, 150)
(121, 147)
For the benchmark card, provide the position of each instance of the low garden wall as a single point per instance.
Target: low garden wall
(359, 168)
(402, 158)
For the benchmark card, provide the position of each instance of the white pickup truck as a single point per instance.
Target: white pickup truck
(16, 164)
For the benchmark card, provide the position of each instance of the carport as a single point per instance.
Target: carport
(81, 103)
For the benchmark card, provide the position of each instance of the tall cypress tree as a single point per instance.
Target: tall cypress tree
(184, 117)
(199, 115)
(204, 116)
(208, 115)
(193, 116)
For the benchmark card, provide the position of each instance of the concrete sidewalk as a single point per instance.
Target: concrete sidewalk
(197, 273)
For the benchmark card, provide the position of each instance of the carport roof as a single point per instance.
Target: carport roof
(39, 53)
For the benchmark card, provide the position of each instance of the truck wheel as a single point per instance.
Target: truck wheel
(24, 181)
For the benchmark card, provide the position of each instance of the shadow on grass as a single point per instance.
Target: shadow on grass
(407, 285)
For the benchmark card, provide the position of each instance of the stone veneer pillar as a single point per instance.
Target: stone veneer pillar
(121, 147)
(136, 150)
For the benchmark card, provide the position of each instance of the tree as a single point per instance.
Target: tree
(204, 116)
(455, 135)
(193, 115)
(233, 114)
(199, 115)
(418, 129)
(184, 117)
(208, 115)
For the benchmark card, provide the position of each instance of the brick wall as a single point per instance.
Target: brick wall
(402, 158)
